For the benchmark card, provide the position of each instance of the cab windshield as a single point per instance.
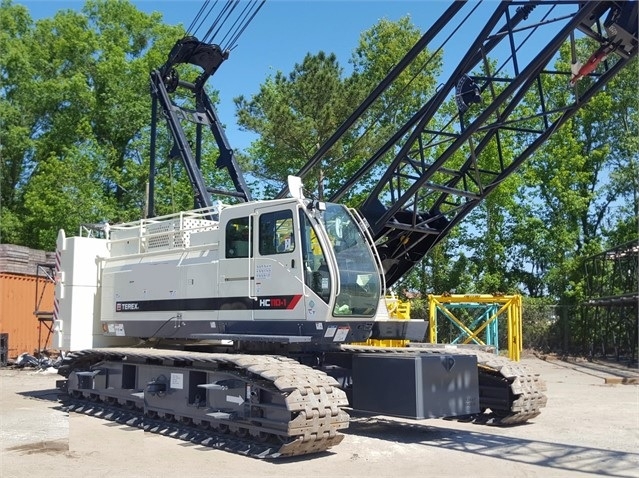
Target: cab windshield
(358, 273)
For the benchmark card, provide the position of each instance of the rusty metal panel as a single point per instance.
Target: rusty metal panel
(17, 305)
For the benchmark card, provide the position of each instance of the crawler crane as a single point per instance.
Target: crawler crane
(236, 325)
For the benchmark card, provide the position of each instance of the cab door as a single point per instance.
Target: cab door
(278, 274)
(235, 276)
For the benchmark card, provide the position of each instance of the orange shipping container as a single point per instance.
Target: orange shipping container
(18, 303)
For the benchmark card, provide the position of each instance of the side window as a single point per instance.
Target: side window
(237, 237)
(276, 232)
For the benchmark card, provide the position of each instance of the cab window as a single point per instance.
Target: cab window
(237, 237)
(276, 233)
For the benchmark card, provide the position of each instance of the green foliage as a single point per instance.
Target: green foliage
(445, 269)
(74, 107)
(379, 49)
(576, 186)
(294, 114)
(297, 113)
(539, 323)
(419, 309)
(70, 178)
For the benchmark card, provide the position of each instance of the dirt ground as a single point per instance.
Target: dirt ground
(590, 427)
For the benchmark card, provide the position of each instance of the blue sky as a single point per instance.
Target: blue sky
(280, 35)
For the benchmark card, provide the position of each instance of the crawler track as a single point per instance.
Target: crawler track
(509, 393)
(508, 390)
(288, 409)
(280, 408)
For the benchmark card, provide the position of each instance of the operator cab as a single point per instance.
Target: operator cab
(295, 258)
(358, 288)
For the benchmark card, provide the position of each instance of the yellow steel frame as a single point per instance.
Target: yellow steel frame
(511, 307)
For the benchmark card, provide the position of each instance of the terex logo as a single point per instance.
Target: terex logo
(126, 306)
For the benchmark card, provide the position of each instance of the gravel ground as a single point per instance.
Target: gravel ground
(590, 427)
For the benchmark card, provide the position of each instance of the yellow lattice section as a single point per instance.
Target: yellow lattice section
(510, 308)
